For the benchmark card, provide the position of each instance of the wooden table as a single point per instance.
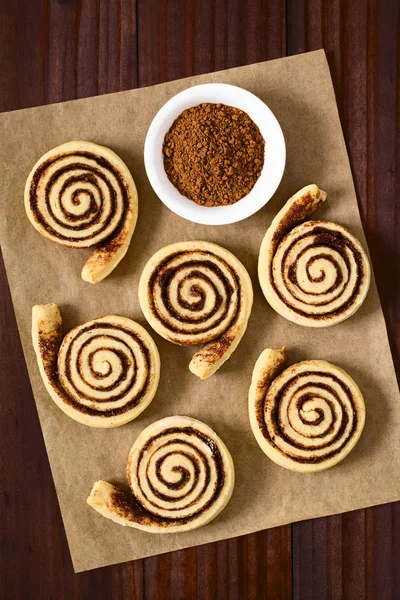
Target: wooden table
(54, 50)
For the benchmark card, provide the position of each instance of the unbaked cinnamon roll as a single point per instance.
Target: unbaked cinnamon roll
(104, 373)
(79, 195)
(197, 293)
(314, 273)
(181, 475)
(305, 418)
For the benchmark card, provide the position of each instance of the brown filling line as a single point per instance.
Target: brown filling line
(277, 425)
(113, 411)
(102, 162)
(293, 276)
(125, 363)
(184, 477)
(305, 398)
(128, 505)
(93, 208)
(163, 275)
(324, 238)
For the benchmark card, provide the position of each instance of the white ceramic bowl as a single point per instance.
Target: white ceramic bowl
(274, 160)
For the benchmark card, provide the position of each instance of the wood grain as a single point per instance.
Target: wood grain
(56, 50)
(354, 555)
(178, 39)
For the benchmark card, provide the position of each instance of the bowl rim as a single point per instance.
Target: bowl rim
(274, 157)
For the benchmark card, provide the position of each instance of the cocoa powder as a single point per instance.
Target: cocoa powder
(213, 154)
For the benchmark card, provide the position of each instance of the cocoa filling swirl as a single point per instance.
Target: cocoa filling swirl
(326, 246)
(185, 282)
(85, 178)
(88, 388)
(177, 460)
(338, 406)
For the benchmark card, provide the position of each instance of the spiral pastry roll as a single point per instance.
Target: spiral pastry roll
(306, 418)
(195, 293)
(104, 373)
(181, 475)
(80, 195)
(313, 273)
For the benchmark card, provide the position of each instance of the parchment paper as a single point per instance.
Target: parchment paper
(299, 91)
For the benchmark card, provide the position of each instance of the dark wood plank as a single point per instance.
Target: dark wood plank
(355, 555)
(178, 39)
(51, 51)
(189, 37)
(56, 50)
(35, 560)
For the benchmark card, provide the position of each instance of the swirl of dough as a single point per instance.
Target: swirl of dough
(181, 475)
(197, 293)
(79, 195)
(104, 373)
(308, 417)
(316, 273)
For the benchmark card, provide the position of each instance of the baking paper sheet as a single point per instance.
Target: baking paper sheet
(299, 91)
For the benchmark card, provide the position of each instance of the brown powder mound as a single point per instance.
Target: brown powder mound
(213, 154)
